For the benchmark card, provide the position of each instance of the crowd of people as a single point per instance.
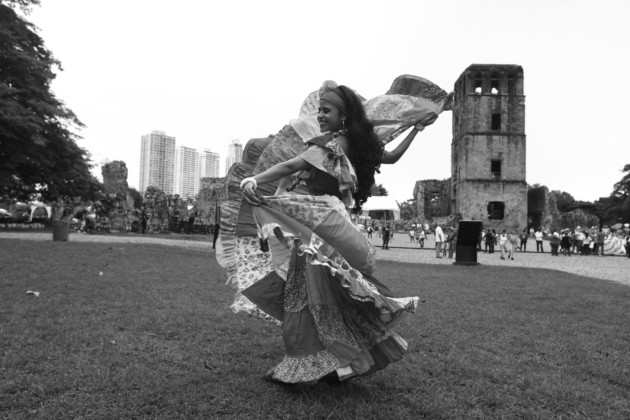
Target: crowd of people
(579, 241)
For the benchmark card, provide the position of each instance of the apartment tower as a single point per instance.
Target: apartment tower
(187, 172)
(235, 154)
(157, 159)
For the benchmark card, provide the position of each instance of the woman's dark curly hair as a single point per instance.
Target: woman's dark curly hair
(365, 152)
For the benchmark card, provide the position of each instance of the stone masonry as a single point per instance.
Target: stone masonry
(488, 150)
(432, 198)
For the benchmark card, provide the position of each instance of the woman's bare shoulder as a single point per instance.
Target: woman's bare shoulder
(344, 143)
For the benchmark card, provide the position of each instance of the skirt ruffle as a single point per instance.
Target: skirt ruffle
(316, 280)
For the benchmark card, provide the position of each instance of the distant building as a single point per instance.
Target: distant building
(157, 161)
(209, 164)
(235, 154)
(488, 148)
(187, 172)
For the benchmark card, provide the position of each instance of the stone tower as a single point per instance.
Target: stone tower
(488, 148)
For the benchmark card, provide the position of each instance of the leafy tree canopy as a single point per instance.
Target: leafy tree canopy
(622, 188)
(564, 200)
(38, 151)
(136, 196)
(408, 209)
(378, 190)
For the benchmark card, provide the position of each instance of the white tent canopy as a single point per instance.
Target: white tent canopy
(381, 203)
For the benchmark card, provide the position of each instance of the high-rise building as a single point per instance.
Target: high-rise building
(157, 159)
(209, 164)
(187, 172)
(235, 154)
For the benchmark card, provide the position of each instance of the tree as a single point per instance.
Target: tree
(38, 151)
(622, 188)
(136, 197)
(408, 209)
(564, 200)
(378, 190)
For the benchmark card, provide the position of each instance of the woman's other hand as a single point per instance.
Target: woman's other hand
(426, 121)
(249, 185)
(250, 194)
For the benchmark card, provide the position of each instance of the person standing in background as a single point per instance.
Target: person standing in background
(513, 241)
(420, 236)
(439, 240)
(523, 237)
(386, 236)
(539, 240)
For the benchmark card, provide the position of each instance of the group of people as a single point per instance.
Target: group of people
(593, 241)
(417, 235)
(508, 243)
(564, 242)
(445, 241)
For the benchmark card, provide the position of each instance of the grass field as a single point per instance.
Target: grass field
(124, 331)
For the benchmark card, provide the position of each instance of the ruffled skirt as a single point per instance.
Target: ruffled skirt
(314, 275)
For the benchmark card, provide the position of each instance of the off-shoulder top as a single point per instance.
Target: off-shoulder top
(331, 172)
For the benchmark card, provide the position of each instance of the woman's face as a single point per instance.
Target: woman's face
(329, 117)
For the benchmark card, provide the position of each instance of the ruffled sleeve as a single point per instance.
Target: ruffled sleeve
(325, 154)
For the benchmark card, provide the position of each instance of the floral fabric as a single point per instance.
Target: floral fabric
(326, 155)
(333, 315)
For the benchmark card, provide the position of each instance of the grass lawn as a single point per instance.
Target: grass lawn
(487, 342)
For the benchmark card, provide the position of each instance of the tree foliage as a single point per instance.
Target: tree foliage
(408, 209)
(38, 150)
(616, 207)
(136, 197)
(622, 188)
(564, 200)
(378, 190)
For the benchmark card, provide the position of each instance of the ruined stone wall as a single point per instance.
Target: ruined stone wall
(115, 178)
(432, 198)
(474, 198)
(543, 212)
(211, 193)
(489, 146)
(117, 204)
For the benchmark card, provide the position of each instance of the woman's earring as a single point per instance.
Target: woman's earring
(343, 124)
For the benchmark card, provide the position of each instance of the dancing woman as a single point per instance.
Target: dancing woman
(337, 319)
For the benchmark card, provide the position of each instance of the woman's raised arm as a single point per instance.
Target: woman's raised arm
(394, 155)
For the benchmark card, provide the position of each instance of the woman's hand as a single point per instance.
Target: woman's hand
(426, 121)
(248, 185)
(250, 194)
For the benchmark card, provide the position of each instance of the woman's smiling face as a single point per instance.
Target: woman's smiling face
(329, 117)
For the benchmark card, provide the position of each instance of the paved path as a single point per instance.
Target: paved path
(607, 268)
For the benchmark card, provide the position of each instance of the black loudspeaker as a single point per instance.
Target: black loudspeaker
(467, 239)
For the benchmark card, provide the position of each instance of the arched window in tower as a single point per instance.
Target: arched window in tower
(494, 84)
(478, 83)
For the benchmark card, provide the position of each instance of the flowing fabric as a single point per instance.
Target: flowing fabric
(614, 245)
(299, 259)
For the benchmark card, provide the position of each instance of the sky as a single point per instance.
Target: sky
(209, 72)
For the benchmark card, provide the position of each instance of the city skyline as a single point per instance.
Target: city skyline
(577, 139)
(178, 169)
